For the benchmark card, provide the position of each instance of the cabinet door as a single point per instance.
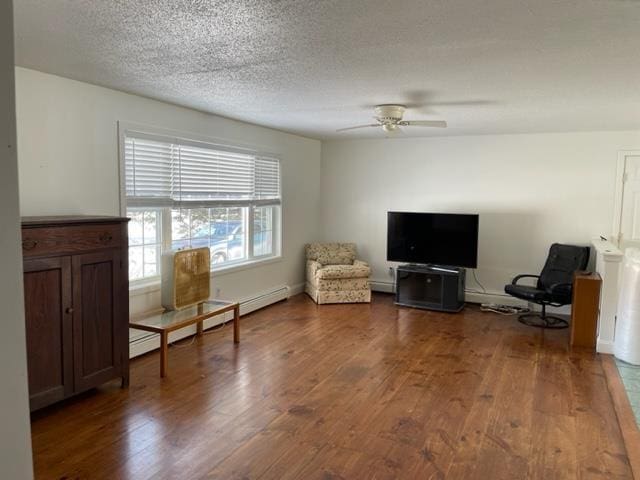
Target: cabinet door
(48, 320)
(97, 318)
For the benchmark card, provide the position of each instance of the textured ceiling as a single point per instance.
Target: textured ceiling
(311, 66)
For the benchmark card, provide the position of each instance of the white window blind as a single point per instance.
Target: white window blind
(183, 175)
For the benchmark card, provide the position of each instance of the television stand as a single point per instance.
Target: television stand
(431, 287)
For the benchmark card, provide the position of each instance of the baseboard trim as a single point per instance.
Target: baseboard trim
(296, 289)
(382, 286)
(604, 346)
(471, 297)
(141, 343)
(477, 297)
(264, 299)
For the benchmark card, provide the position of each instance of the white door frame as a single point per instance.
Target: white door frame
(619, 192)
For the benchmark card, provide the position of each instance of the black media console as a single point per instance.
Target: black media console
(430, 287)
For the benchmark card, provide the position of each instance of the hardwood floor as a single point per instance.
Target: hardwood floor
(347, 391)
(624, 412)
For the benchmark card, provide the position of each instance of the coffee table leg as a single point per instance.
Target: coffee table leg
(236, 324)
(163, 354)
(200, 328)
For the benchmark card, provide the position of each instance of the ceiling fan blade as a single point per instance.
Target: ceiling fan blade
(358, 126)
(424, 123)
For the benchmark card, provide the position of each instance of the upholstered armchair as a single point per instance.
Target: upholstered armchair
(335, 276)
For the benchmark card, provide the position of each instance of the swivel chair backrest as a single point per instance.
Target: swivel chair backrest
(562, 262)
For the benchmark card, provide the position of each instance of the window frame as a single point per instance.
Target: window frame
(251, 261)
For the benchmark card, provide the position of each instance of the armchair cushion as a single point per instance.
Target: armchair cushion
(560, 289)
(526, 292)
(342, 284)
(359, 269)
(331, 253)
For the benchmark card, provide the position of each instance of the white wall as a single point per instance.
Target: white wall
(67, 136)
(530, 191)
(15, 440)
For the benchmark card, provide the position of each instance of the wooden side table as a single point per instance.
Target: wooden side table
(585, 309)
(171, 320)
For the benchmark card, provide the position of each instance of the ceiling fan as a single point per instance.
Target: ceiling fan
(389, 117)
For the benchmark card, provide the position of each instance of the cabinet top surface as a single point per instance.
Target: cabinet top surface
(69, 219)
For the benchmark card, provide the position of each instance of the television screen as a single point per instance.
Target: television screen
(433, 238)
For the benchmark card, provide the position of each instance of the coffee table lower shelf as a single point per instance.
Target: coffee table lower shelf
(171, 320)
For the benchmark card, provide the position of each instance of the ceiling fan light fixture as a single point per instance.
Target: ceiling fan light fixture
(389, 117)
(390, 111)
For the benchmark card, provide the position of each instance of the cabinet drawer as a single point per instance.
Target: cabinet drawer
(69, 239)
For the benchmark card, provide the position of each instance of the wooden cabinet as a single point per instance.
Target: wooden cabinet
(76, 304)
(47, 286)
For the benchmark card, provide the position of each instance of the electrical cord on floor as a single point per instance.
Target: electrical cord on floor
(194, 336)
(503, 309)
(475, 277)
(182, 345)
(484, 290)
(216, 328)
(471, 290)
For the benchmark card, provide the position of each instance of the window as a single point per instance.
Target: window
(144, 243)
(184, 194)
(262, 231)
(221, 229)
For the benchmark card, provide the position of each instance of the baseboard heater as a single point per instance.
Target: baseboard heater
(140, 345)
(470, 296)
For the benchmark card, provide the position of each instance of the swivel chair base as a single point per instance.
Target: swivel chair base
(542, 320)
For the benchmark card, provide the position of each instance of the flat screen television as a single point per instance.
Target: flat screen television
(433, 238)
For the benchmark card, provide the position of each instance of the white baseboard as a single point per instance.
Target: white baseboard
(604, 346)
(471, 297)
(382, 286)
(263, 299)
(296, 289)
(143, 342)
(499, 298)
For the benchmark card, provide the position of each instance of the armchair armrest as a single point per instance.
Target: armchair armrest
(517, 278)
(362, 267)
(312, 268)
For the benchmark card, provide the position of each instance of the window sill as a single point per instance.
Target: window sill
(141, 287)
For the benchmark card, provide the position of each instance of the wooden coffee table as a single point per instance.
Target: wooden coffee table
(171, 320)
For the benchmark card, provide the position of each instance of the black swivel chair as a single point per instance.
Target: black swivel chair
(554, 285)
